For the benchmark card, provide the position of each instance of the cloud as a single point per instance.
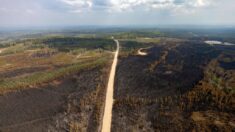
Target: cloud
(64, 12)
(132, 5)
(78, 5)
(124, 5)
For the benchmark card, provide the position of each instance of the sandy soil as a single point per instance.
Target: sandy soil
(2, 49)
(141, 53)
(107, 118)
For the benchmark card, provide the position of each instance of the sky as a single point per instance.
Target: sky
(15, 13)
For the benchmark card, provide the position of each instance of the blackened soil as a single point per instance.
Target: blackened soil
(56, 106)
(181, 69)
(158, 92)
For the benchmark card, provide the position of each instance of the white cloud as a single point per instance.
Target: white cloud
(200, 3)
(132, 5)
(123, 5)
(78, 5)
(61, 12)
(2, 9)
(120, 5)
(29, 11)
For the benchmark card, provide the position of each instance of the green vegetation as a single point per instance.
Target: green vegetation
(137, 34)
(14, 49)
(69, 43)
(182, 82)
(132, 45)
(42, 77)
(58, 56)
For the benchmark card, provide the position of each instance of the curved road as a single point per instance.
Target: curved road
(107, 118)
(141, 53)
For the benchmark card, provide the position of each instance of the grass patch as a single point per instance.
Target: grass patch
(43, 77)
(14, 49)
(137, 34)
(69, 43)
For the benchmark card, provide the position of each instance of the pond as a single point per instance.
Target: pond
(215, 42)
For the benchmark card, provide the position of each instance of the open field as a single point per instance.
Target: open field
(45, 88)
(185, 85)
(117, 66)
(165, 80)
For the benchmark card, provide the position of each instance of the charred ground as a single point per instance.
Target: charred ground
(176, 87)
(57, 81)
(44, 88)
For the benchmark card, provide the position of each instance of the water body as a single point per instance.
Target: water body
(215, 42)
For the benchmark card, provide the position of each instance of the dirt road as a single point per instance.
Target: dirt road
(107, 118)
(141, 53)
